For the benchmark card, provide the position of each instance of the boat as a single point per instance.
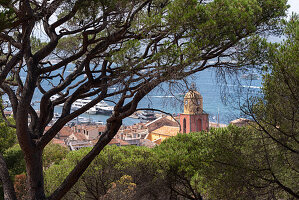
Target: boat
(147, 115)
(99, 122)
(83, 120)
(79, 103)
(101, 108)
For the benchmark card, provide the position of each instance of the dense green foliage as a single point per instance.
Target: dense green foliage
(204, 162)
(225, 163)
(14, 158)
(53, 154)
(7, 139)
(7, 15)
(276, 113)
(109, 167)
(8, 136)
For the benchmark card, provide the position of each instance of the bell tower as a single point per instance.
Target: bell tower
(194, 119)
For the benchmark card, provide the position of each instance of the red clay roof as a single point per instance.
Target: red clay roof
(79, 136)
(167, 130)
(66, 131)
(118, 141)
(102, 128)
(58, 141)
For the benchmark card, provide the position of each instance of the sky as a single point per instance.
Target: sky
(294, 6)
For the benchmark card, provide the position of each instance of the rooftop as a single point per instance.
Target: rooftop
(167, 130)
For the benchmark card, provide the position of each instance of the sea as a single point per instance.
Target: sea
(223, 93)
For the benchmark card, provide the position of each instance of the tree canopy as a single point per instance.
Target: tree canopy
(276, 112)
(113, 164)
(132, 46)
(7, 135)
(225, 163)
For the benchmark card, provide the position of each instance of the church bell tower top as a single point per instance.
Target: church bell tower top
(193, 102)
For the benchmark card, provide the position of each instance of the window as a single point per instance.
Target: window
(184, 125)
(198, 125)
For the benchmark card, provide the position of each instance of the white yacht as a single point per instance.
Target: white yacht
(100, 108)
(79, 103)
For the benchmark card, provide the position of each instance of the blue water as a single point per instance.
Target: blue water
(219, 98)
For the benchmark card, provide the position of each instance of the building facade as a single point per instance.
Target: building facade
(194, 119)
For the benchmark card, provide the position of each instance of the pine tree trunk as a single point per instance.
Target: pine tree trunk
(35, 179)
(8, 189)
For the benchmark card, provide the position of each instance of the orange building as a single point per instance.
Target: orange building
(162, 133)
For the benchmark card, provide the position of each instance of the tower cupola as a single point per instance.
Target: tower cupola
(193, 103)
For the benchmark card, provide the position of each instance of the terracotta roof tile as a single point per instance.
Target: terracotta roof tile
(58, 141)
(102, 128)
(167, 130)
(79, 136)
(90, 128)
(65, 131)
(118, 141)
